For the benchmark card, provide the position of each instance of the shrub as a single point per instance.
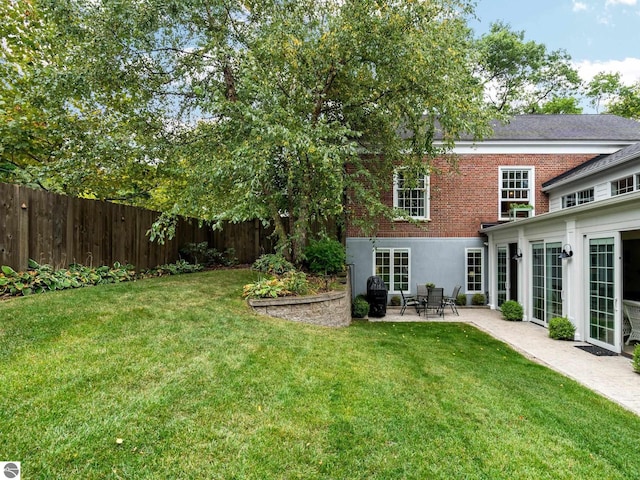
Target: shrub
(296, 283)
(478, 299)
(395, 301)
(636, 359)
(326, 256)
(359, 307)
(202, 253)
(461, 299)
(42, 278)
(265, 288)
(512, 310)
(273, 263)
(430, 285)
(561, 328)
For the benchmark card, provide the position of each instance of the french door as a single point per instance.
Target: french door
(546, 281)
(602, 328)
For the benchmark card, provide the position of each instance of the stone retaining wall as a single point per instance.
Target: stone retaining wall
(331, 309)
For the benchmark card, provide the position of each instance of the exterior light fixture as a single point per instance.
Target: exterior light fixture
(567, 252)
(517, 256)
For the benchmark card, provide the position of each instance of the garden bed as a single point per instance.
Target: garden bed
(331, 309)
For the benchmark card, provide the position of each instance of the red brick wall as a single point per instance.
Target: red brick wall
(462, 200)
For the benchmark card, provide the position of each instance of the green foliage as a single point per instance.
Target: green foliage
(478, 299)
(291, 283)
(273, 264)
(560, 328)
(291, 92)
(461, 299)
(636, 359)
(512, 310)
(521, 76)
(265, 288)
(201, 253)
(607, 92)
(395, 301)
(359, 307)
(326, 256)
(430, 285)
(43, 278)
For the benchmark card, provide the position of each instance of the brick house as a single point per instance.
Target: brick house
(496, 180)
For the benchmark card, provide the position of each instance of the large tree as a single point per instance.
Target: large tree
(608, 94)
(523, 76)
(286, 111)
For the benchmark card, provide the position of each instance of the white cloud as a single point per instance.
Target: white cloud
(579, 6)
(629, 69)
(631, 3)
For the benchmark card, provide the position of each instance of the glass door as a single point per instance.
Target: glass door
(546, 281)
(602, 308)
(502, 275)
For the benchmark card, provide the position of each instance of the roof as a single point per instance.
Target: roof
(595, 165)
(565, 127)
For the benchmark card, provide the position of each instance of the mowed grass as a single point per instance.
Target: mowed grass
(176, 378)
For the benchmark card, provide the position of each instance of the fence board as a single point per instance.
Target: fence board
(60, 230)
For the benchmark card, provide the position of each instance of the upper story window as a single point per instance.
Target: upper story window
(623, 185)
(516, 189)
(577, 198)
(412, 197)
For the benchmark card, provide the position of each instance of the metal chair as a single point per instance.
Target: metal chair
(451, 301)
(435, 301)
(632, 312)
(409, 301)
(422, 292)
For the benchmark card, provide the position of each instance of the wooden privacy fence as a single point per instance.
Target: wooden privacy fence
(59, 230)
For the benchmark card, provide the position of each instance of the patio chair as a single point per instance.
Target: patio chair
(632, 312)
(434, 302)
(422, 292)
(451, 301)
(409, 301)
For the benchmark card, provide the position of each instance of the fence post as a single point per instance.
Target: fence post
(22, 213)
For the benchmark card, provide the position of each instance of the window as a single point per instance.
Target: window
(392, 265)
(623, 185)
(412, 199)
(516, 185)
(577, 198)
(474, 270)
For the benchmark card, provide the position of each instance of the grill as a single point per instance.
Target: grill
(377, 297)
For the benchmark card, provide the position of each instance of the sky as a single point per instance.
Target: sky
(599, 35)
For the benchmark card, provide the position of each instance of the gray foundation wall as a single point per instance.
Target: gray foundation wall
(437, 260)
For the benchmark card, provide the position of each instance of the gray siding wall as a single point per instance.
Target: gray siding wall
(437, 260)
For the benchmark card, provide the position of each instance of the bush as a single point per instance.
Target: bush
(265, 288)
(461, 299)
(296, 283)
(478, 299)
(203, 254)
(395, 301)
(42, 278)
(512, 310)
(359, 307)
(561, 328)
(636, 359)
(325, 256)
(273, 263)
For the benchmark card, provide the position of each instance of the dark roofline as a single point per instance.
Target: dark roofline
(569, 172)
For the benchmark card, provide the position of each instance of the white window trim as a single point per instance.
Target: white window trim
(466, 269)
(427, 200)
(532, 190)
(392, 250)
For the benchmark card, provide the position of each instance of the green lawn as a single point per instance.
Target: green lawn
(198, 387)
